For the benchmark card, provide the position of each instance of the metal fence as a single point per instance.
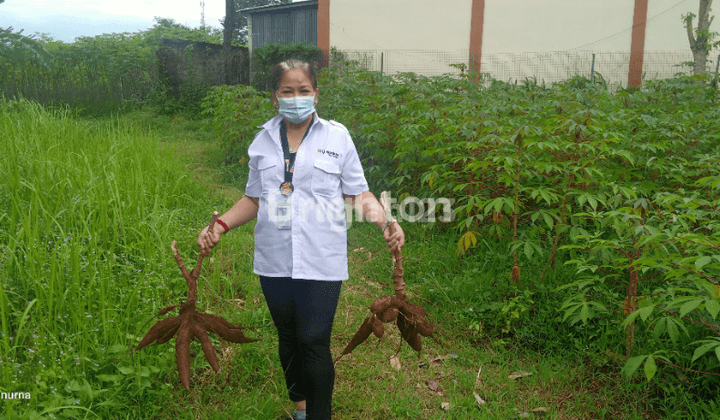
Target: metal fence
(546, 67)
(423, 62)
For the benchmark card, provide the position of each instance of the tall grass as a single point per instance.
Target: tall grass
(87, 211)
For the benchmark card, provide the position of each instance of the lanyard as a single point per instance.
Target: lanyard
(289, 158)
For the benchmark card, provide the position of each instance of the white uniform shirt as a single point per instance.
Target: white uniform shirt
(327, 165)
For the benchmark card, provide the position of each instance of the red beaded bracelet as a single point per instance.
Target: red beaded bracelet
(221, 223)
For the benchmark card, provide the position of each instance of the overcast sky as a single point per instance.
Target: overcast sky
(65, 20)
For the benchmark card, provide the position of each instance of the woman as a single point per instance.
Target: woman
(301, 167)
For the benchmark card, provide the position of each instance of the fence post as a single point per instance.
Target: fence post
(592, 70)
(717, 66)
(382, 59)
(637, 43)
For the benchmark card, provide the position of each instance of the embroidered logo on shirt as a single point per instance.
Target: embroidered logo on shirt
(329, 153)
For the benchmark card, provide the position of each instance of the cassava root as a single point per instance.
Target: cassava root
(409, 317)
(191, 324)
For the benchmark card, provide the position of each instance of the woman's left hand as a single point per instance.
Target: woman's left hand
(395, 237)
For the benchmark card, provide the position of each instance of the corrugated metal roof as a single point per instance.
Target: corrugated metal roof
(261, 9)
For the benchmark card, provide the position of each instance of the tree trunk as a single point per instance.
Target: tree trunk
(227, 40)
(699, 61)
(699, 42)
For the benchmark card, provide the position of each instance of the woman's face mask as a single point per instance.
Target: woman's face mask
(296, 109)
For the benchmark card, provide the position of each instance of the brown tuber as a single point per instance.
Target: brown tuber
(377, 326)
(409, 317)
(389, 315)
(191, 324)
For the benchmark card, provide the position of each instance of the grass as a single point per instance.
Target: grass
(88, 208)
(88, 232)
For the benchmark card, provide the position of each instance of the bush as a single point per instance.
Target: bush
(235, 112)
(264, 58)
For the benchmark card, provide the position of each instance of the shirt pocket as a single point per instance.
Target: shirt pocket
(268, 174)
(325, 178)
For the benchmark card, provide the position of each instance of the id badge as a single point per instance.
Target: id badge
(284, 214)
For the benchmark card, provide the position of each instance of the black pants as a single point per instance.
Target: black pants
(303, 312)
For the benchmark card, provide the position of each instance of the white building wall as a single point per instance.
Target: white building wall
(515, 26)
(553, 38)
(399, 26)
(665, 28)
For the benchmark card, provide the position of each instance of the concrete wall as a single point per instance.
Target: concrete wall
(553, 39)
(665, 29)
(514, 26)
(400, 24)
(511, 26)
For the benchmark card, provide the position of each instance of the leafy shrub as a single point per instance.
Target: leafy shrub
(264, 58)
(358, 98)
(188, 98)
(97, 75)
(235, 113)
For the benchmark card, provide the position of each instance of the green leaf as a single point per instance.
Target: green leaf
(630, 318)
(632, 365)
(713, 307)
(545, 196)
(581, 199)
(660, 327)
(548, 220)
(584, 313)
(593, 202)
(110, 378)
(702, 261)
(571, 311)
(528, 250)
(126, 370)
(118, 348)
(704, 349)
(646, 311)
(672, 329)
(650, 368)
(717, 352)
(690, 306)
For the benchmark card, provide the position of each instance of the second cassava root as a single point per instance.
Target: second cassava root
(191, 324)
(409, 317)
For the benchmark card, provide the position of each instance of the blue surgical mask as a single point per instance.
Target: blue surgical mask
(296, 109)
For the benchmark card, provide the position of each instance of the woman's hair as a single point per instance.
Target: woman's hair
(277, 72)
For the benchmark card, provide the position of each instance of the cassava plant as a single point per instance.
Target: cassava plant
(409, 317)
(190, 324)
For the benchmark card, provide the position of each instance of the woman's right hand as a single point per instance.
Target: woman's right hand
(207, 240)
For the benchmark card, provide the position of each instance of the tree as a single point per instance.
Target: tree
(235, 27)
(229, 29)
(701, 39)
(240, 24)
(17, 49)
(168, 28)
